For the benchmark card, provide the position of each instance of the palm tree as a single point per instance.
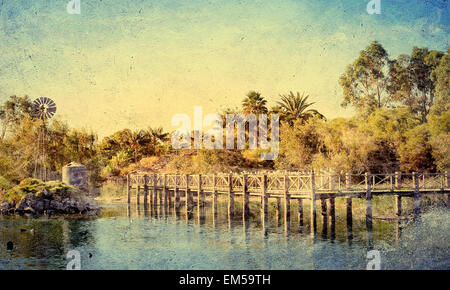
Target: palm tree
(254, 104)
(158, 134)
(295, 107)
(157, 139)
(137, 140)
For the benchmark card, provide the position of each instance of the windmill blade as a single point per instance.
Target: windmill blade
(44, 108)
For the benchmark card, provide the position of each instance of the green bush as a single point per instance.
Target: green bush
(36, 187)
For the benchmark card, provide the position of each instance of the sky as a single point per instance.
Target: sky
(134, 64)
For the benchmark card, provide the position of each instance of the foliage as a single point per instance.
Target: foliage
(411, 82)
(439, 128)
(441, 76)
(37, 188)
(365, 81)
(14, 110)
(254, 103)
(295, 107)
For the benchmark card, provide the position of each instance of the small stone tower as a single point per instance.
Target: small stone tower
(75, 174)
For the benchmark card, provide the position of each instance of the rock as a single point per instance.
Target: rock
(55, 200)
(20, 208)
(38, 206)
(5, 207)
(46, 194)
(29, 210)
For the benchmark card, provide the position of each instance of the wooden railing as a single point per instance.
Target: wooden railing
(299, 185)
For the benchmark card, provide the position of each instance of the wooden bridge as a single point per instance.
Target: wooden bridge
(299, 186)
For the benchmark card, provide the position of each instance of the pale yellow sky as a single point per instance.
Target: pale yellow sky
(136, 64)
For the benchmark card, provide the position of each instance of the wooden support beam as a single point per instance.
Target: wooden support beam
(165, 193)
(369, 226)
(300, 213)
(128, 189)
(199, 192)
(214, 201)
(138, 192)
(447, 186)
(230, 195)
(324, 213)
(200, 201)
(398, 180)
(145, 190)
(287, 205)
(349, 221)
(416, 195)
(188, 198)
(245, 203)
(348, 181)
(278, 210)
(214, 196)
(313, 205)
(177, 194)
(264, 204)
(155, 192)
(333, 217)
(398, 205)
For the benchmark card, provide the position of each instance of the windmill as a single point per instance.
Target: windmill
(43, 109)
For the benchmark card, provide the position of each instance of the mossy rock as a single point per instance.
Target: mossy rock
(40, 189)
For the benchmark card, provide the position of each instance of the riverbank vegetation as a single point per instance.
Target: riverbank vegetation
(401, 123)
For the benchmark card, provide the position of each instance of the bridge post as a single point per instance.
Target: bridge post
(447, 179)
(333, 217)
(398, 205)
(188, 198)
(165, 192)
(245, 210)
(287, 204)
(398, 180)
(155, 193)
(313, 205)
(278, 211)
(264, 205)
(138, 191)
(128, 189)
(324, 213)
(177, 195)
(200, 201)
(349, 221)
(161, 199)
(230, 195)
(145, 190)
(300, 213)
(199, 191)
(214, 196)
(368, 210)
(348, 185)
(416, 195)
(348, 181)
(447, 185)
(332, 184)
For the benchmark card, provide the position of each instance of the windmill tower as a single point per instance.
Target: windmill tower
(43, 109)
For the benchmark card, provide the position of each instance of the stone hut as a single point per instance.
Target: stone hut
(75, 174)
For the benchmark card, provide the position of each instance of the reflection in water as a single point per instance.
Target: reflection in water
(145, 236)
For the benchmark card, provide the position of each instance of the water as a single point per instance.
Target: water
(123, 238)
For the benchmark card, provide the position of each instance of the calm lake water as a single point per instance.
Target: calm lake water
(132, 238)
